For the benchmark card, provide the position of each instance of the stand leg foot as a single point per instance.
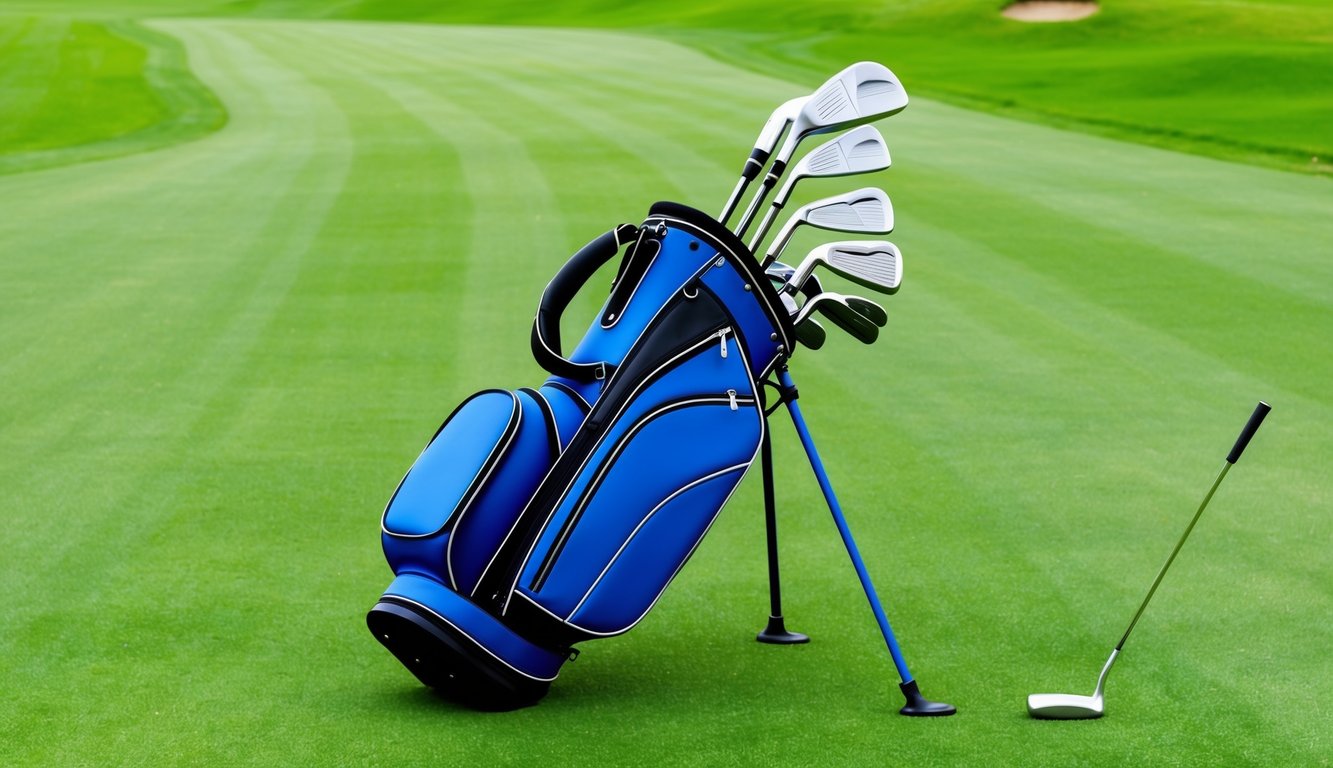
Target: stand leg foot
(920, 706)
(776, 634)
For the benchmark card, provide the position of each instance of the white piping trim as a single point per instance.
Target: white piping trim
(643, 233)
(702, 343)
(473, 488)
(449, 547)
(682, 224)
(464, 633)
(614, 558)
(763, 429)
(619, 448)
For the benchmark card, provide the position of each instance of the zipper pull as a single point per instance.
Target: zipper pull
(724, 345)
(731, 393)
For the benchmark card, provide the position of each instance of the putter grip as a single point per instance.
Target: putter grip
(1260, 411)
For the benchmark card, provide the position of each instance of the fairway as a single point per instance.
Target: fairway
(219, 356)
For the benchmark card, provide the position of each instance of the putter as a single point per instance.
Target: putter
(1068, 706)
(763, 147)
(861, 93)
(873, 264)
(860, 150)
(865, 210)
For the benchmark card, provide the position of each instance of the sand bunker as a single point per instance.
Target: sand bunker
(1050, 10)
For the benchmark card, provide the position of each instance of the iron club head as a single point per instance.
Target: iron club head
(866, 210)
(860, 150)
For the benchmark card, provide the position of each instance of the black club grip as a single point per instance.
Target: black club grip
(1260, 411)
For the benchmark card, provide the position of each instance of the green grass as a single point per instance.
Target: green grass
(220, 356)
(83, 90)
(1245, 81)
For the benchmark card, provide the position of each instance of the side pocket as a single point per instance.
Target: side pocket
(481, 464)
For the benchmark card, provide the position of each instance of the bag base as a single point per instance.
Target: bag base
(438, 635)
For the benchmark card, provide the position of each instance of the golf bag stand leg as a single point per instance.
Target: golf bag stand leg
(917, 705)
(776, 632)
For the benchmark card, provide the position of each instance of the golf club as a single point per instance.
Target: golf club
(810, 333)
(862, 93)
(834, 306)
(763, 147)
(1068, 706)
(869, 310)
(866, 210)
(874, 264)
(860, 150)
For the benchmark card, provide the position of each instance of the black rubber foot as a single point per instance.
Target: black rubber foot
(776, 634)
(447, 663)
(920, 706)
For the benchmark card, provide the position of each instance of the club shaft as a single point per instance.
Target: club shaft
(1226, 466)
(755, 202)
(764, 227)
(732, 201)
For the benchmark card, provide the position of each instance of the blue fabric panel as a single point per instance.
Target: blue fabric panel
(745, 308)
(429, 494)
(568, 414)
(705, 372)
(667, 453)
(481, 527)
(668, 534)
(483, 628)
(672, 267)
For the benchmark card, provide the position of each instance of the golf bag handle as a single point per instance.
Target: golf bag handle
(560, 291)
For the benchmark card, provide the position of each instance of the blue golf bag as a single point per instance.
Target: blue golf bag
(536, 519)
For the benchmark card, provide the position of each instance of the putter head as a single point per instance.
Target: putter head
(1065, 706)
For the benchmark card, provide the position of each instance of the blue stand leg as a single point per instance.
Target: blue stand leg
(917, 705)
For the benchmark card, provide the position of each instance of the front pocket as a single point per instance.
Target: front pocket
(693, 450)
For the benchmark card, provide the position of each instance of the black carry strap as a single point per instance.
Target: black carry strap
(560, 291)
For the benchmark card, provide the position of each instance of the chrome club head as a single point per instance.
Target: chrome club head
(874, 264)
(866, 210)
(860, 150)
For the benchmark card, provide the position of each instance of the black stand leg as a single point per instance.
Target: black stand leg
(776, 632)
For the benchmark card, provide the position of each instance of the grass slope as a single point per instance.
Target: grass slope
(82, 90)
(220, 357)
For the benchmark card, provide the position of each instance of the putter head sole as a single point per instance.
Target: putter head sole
(1064, 706)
